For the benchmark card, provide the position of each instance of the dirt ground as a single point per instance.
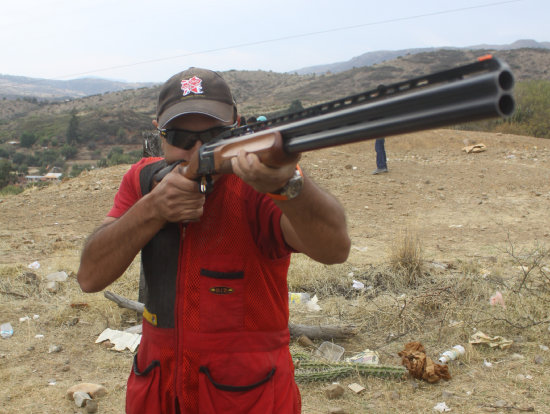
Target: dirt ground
(464, 208)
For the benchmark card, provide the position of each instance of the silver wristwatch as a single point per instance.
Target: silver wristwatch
(291, 189)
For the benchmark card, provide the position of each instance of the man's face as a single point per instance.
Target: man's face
(190, 122)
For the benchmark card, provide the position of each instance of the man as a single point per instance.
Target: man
(215, 331)
(381, 161)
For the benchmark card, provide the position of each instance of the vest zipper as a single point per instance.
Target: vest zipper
(179, 281)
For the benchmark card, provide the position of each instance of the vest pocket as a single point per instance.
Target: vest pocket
(222, 295)
(238, 392)
(143, 389)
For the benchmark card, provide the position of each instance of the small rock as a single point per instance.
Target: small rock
(500, 404)
(73, 321)
(66, 368)
(91, 406)
(539, 360)
(54, 349)
(395, 395)
(93, 390)
(52, 287)
(80, 398)
(520, 377)
(377, 395)
(517, 357)
(306, 342)
(337, 410)
(334, 391)
(29, 278)
(447, 394)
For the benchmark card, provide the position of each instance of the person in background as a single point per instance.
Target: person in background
(381, 163)
(215, 323)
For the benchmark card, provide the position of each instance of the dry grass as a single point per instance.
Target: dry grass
(406, 258)
(441, 308)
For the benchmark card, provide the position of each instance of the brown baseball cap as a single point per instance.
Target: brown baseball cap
(195, 91)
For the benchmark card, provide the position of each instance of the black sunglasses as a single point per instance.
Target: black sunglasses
(186, 140)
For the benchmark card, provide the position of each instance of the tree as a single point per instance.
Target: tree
(27, 139)
(69, 151)
(73, 133)
(19, 158)
(121, 136)
(5, 173)
(295, 106)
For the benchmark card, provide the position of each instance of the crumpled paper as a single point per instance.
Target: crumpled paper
(497, 299)
(474, 148)
(420, 366)
(493, 341)
(121, 340)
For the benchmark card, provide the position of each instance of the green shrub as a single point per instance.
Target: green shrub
(27, 139)
(11, 190)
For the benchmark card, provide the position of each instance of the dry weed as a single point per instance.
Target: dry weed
(406, 258)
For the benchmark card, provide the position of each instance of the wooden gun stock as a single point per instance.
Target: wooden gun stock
(267, 145)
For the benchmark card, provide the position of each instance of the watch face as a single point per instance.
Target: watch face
(294, 186)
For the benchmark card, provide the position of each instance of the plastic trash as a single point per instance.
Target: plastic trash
(452, 354)
(6, 330)
(330, 351)
(299, 298)
(441, 407)
(365, 357)
(34, 265)
(358, 285)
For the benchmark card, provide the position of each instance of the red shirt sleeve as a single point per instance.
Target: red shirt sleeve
(265, 224)
(129, 191)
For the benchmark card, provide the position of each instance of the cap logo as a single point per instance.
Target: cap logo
(193, 85)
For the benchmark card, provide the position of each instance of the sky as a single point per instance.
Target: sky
(150, 40)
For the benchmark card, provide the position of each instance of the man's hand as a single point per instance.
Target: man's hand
(259, 176)
(177, 199)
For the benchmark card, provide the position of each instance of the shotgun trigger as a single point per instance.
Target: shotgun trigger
(206, 184)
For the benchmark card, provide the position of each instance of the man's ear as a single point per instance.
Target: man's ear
(155, 123)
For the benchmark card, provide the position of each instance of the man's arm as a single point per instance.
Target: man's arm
(114, 245)
(313, 223)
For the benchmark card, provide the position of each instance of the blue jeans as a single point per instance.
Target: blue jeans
(380, 154)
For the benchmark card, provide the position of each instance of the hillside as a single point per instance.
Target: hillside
(104, 118)
(13, 87)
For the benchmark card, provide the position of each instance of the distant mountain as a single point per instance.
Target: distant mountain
(373, 58)
(21, 86)
(12, 87)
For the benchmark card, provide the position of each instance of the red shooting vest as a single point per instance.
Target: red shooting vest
(225, 349)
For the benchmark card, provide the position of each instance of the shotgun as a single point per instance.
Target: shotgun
(472, 92)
